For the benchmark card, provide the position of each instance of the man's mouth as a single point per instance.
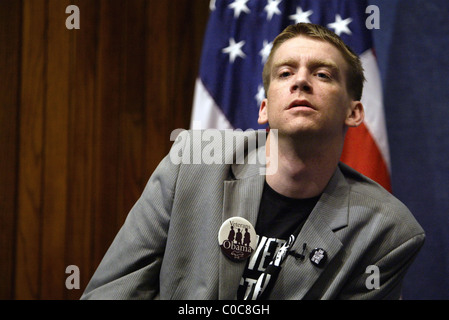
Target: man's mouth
(300, 103)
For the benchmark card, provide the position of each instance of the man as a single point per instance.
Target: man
(324, 231)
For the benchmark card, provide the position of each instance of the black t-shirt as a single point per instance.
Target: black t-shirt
(279, 217)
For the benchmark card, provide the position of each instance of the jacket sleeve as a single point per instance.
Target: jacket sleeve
(382, 280)
(130, 267)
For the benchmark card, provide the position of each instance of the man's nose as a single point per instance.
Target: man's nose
(301, 83)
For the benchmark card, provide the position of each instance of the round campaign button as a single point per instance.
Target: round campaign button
(318, 257)
(237, 238)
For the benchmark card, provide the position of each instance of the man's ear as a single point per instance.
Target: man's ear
(263, 114)
(356, 114)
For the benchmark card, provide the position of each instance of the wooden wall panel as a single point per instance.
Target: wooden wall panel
(31, 151)
(83, 143)
(10, 27)
(131, 176)
(158, 89)
(108, 97)
(91, 112)
(55, 187)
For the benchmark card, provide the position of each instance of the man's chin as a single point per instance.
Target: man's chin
(298, 131)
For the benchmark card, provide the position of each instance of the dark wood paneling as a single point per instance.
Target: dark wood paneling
(87, 117)
(31, 150)
(10, 26)
(107, 135)
(55, 183)
(83, 144)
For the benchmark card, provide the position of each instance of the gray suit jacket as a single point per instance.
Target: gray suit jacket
(168, 246)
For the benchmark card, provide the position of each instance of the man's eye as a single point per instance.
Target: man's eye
(322, 75)
(284, 74)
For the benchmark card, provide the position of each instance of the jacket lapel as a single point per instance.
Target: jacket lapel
(298, 278)
(241, 198)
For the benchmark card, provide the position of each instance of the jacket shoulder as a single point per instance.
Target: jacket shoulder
(379, 203)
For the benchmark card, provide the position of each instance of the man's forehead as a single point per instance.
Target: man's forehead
(306, 48)
(310, 61)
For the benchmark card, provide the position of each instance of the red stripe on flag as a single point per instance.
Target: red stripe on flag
(360, 152)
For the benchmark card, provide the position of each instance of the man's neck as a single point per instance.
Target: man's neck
(303, 169)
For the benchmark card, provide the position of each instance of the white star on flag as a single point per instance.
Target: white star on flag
(340, 26)
(234, 50)
(239, 6)
(301, 16)
(265, 52)
(260, 95)
(212, 5)
(272, 8)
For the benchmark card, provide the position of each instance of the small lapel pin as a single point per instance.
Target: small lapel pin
(318, 257)
(237, 238)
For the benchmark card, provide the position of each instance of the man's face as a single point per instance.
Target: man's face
(307, 92)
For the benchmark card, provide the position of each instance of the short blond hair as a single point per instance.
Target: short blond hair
(355, 74)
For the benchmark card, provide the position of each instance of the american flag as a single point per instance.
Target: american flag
(237, 42)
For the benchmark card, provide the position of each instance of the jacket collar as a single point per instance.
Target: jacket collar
(332, 207)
